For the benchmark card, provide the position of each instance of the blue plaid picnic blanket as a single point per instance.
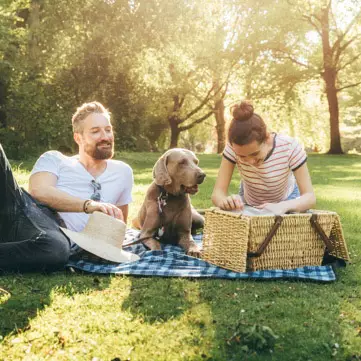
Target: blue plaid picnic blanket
(171, 261)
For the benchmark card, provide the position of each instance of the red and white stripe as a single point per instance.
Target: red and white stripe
(273, 181)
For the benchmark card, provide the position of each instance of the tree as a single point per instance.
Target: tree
(341, 48)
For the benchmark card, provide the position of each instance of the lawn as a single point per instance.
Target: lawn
(66, 316)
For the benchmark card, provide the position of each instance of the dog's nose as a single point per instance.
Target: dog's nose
(200, 177)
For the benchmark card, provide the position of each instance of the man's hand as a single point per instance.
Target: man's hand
(232, 202)
(275, 208)
(106, 208)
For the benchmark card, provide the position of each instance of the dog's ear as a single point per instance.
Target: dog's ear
(160, 172)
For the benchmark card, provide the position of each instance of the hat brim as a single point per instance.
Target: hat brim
(101, 249)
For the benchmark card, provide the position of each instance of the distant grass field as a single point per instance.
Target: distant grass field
(66, 316)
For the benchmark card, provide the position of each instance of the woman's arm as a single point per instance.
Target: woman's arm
(307, 199)
(220, 196)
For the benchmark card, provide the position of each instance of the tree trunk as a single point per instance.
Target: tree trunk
(174, 131)
(220, 125)
(173, 121)
(33, 40)
(329, 76)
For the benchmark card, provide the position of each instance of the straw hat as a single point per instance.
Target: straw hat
(103, 236)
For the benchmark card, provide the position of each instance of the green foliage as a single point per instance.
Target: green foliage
(139, 57)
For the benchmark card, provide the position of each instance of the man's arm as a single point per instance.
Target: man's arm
(42, 186)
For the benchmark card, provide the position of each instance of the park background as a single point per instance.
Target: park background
(169, 71)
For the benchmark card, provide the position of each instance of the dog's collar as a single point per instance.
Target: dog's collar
(161, 189)
(162, 202)
(162, 199)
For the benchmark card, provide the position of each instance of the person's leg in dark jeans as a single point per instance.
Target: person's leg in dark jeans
(30, 238)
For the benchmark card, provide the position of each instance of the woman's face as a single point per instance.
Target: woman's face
(253, 153)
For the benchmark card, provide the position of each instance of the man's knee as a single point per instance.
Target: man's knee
(56, 247)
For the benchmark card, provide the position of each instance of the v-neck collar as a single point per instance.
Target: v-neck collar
(273, 147)
(92, 177)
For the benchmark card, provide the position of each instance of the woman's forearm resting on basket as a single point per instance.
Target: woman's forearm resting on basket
(307, 197)
(221, 199)
(303, 203)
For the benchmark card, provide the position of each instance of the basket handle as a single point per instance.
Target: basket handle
(271, 233)
(321, 232)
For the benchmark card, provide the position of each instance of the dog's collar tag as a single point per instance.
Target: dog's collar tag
(160, 232)
(162, 201)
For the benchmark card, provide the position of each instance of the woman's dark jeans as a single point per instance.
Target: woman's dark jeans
(30, 238)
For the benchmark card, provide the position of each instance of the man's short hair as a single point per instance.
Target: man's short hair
(83, 111)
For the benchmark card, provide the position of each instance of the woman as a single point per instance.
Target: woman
(272, 166)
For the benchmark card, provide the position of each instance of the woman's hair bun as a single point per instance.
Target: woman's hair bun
(242, 111)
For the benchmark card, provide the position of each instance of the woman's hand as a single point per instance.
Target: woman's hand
(232, 202)
(275, 208)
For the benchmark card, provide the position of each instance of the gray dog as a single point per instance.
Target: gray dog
(166, 214)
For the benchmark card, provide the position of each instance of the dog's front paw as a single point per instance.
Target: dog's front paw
(152, 244)
(194, 251)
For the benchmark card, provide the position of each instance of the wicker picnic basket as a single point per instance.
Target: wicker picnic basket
(249, 243)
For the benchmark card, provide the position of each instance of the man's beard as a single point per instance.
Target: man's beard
(98, 153)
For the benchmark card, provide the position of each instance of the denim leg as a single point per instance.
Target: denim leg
(295, 193)
(10, 197)
(30, 238)
(241, 192)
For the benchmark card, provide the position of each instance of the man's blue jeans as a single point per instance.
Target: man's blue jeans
(30, 238)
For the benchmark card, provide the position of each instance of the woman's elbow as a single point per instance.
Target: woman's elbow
(312, 200)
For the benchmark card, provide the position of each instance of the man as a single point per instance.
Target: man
(30, 238)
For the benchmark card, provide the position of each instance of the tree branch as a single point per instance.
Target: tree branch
(347, 43)
(350, 62)
(199, 107)
(348, 86)
(341, 48)
(289, 57)
(343, 35)
(338, 32)
(352, 22)
(234, 29)
(199, 120)
(309, 19)
(182, 101)
(225, 90)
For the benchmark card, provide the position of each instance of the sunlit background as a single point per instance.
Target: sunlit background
(169, 70)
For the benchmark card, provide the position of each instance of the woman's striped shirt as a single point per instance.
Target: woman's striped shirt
(272, 181)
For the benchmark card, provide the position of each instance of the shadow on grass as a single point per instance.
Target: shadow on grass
(215, 310)
(302, 332)
(23, 296)
(157, 299)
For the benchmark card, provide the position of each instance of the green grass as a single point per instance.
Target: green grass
(66, 316)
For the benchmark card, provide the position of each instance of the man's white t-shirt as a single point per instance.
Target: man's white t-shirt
(116, 183)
